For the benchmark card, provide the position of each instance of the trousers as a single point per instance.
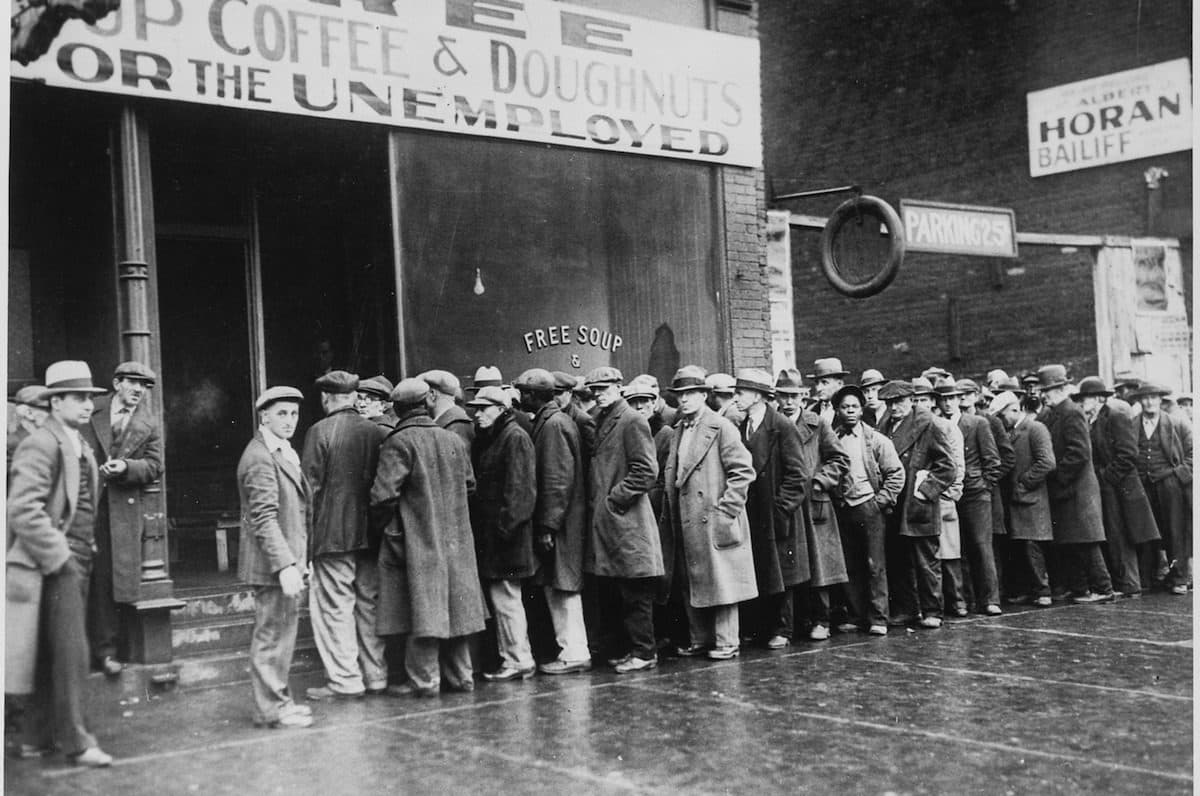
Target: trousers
(428, 660)
(512, 629)
(272, 645)
(343, 600)
(566, 612)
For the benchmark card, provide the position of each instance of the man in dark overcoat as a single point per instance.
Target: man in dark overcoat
(1164, 464)
(623, 543)
(502, 518)
(1027, 509)
(128, 444)
(276, 511)
(974, 402)
(1128, 518)
(778, 533)
(914, 576)
(429, 578)
(52, 504)
(339, 459)
(1074, 491)
(559, 518)
(442, 407)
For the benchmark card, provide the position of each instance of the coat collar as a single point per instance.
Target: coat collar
(707, 427)
(608, 419)
(287, 468)
(545, 413)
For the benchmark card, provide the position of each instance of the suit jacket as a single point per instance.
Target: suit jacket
(925, 452)
(1125, 507)
(1074, 490)
(980, 455)
(1175, 439)
(125, 495)
(1029, 503)
(341, 452)
(276, 514)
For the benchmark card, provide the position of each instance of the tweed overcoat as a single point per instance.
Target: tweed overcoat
(1029, 503)
(925, 452)
(825, 463)
(561, 505)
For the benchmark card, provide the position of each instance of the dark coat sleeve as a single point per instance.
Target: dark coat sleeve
(1004, 447)
(555, 477)
(395, 463)
(1041, 459)
(1123, 447)
(641, 463)
(792, 487)
(1076, 449)
(989, 454)
(939, 462)
(835, 462)
(520, 484)
(891, 472)
(1183, 439)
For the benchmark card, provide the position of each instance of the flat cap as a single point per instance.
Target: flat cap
(135, 370)
(31, 395)
(870, 377)
(650, 379)
(849, 389)
(721, 383)
(1002, 402)
(638, 388)
(687, 378)
(378, 387)
(564, 381)
(492, 395)
(895, 390)
(338, 382)
(273, 395)
(604, 374)
(446, 382)
(538, 379)
(486, 376)
(409, 391)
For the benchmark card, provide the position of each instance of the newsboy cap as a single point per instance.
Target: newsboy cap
(409, 391)
(895, 390)
(338, 382)
(604, 374)
(490, 396)
(1092, 385)
(828, 367)
(538, 379)
(273, 395)
(378, 387)
(31, 395)
(135, 370)
(564, 381)
(444, 381)
(689, 378)
(721, 383)
(1051, 376)
(638, 388)
(870, 377)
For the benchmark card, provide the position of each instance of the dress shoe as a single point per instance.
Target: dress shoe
(93, 757)
(566, 667)
(507, 672)
(1179, 589)
(110, 666)
(1043, 602)
(1020, 599)
(691, 650)
(992, 610)
(900, 620)
(878, 630)
(819, 633)
(958, 612)
(410, 690)
(848, 627)
(636, 664)
(325, 693)
(931, 622)
(287, 721)
(1091, 597)
(380, 691)
(615, 662)
(778, 642)
(722, 653)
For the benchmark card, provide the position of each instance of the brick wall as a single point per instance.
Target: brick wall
(926, 99)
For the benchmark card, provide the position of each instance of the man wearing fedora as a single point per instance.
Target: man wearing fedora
(1164, 464)
(789, 397)
(340, 455)
(707, 474)
(276, 515)
(442, 407)
(31, 411)
(52, 504)
(829, 376)
(1128, 518)
(721, 398)
(1074, 491)
(624, 550)
(128, 443)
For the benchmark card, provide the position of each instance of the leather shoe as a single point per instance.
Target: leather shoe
(992, 610)
(93, 757)
(636, 664)
(819, 633)
(111, 666)
(1043, 602)
(878, 630)
(615, 662)
(410, 690)
(722, 653)
(509, 673)
(565, 667)
(931, 622)
(691, 650)
(325, 693)
(848, 627)
(778, 642)
(1179, 589)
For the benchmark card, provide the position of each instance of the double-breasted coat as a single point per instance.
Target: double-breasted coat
(561, 508)
(1123, 501)
(778, 531)
(505, 497)
(1028, 502)
(276, 514)
(429, 580)
(1074, 491)
(825, 463)
(340, 455)
(623, 533)
(140, 446)
(706, 486)
(925, 452)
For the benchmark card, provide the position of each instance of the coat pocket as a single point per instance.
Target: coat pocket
(727, 532)
(819, 509)
(22, 584)
(920, 511)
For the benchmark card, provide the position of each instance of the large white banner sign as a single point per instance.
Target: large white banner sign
(1123, 116)
(531, 70)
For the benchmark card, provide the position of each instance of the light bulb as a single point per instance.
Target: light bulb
(478, 290)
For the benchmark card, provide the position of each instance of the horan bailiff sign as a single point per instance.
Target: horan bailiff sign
(958, 229)
(1123, 116)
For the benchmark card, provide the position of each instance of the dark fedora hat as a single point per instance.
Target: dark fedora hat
(789, 382)
(945, 388)
(1051, 376)
(688, 378)
(1092, 385)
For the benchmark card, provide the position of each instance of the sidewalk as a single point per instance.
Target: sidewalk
(1075, 699)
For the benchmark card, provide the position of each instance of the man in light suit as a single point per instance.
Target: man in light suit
(52, 505)
(276, 514)
(126, 439)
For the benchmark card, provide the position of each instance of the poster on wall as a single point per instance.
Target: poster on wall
(528, 70)
(1123, 116)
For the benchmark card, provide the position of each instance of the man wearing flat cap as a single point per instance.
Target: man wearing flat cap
(564, 395)
(128, 444)
(429, 578)
(276, 517)
(1164, 464)
(374, 401)
(340, 454)
(442, 407)
(31, 411)
(1075, 510)
(52, 506)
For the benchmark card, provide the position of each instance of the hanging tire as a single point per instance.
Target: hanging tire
(857, 209)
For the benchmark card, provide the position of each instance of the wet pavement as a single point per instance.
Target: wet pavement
(1069, 699)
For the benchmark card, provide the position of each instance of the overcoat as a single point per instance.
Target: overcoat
(455, 419)
(924, 450)
(1029, 503)
(586, 424)
(561, 497)
(141, 448)
(623, 534)
(1074, 491)
(825, 463)
(429, 580)
(42, 499)
(276, 514)
(981, 457)
(1123, 501)
(778, 532)
(341, 452)
(504, 500)
(1005, 449)
(706, 507)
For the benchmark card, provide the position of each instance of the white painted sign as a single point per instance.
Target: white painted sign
(958, 229)
(531, 70)
(1123, 116)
